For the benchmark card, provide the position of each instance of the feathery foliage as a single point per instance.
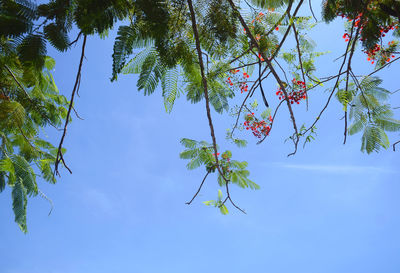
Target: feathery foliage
(206, 53)
(29, 101)
(369, 113)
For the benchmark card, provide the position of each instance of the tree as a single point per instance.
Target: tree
(29, 98)
(29, 101)
(215, 50)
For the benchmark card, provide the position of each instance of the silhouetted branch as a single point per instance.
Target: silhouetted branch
(201, 185)
(60, 157)
(394, 145)
(204, 82)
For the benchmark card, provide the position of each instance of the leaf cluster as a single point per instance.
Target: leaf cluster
(235, 172)
(29, 102)
(369, 112)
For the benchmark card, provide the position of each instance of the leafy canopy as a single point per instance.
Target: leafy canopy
(218, 52)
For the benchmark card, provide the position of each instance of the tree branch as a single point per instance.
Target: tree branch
(394, 145)
(270, 66)
(300, 60)
(205, 87)
(18, 83)
(337, 81)
(201, 185)
(59, 157)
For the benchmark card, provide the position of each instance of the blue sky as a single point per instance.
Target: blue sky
(330, 208)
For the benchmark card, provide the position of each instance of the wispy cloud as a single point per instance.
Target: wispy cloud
(98, 202)
(336, 168)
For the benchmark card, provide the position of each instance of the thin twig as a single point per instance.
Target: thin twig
(336, 83)
(311, 9)
(394, 145)
(59, 157)
(201, 185)
(347, 81)
(373, 72)
(272, 122)
(253, 87)
(47, 199)
(270, 66)
(205, 87)
(269, 32)
(76, 114)
(76, 40)
(300, 60)
(240, 56)
(18, 83)
(362, 94)
(261, 87)
(260, 80)
(283, 71)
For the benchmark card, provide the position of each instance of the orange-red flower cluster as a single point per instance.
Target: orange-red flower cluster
(258, 128)
(297, 93)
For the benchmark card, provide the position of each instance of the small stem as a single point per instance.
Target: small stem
(59, 157)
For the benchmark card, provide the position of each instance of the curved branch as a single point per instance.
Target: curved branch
(394, 145)
(59, 157)
(205, 87)
(269, 64)
(337, 79)
(201, 185)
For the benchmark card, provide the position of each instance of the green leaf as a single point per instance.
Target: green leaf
(32, 51)
(220, 195)
(227, 154)
(25, 173)
(209, 203)
(50, 63)
(266, 113)
(252, 185)
(218, 96)
(134, 66)
(57, 36)
(189, 154)
(19, 197)
(128, 38)
(151, 74)
(357, 126)
(254, 104)
(220, 180)
(170, 89)
(47, 172)
(373, 139)
(388, 124)
(6, 165)
(240, 142)
(189, 143)
(194, 163)
(223, 209)
(12, 114)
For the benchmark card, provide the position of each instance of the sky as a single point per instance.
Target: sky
(330, 208)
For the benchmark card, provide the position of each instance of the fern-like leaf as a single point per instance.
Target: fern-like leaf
(25, 174)
(19, 197)
(128, 38)
(151, 74)
(269, 3)
(32, 51)
(170, 89)
(12, 114)
(134, 66)
(56, 36)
